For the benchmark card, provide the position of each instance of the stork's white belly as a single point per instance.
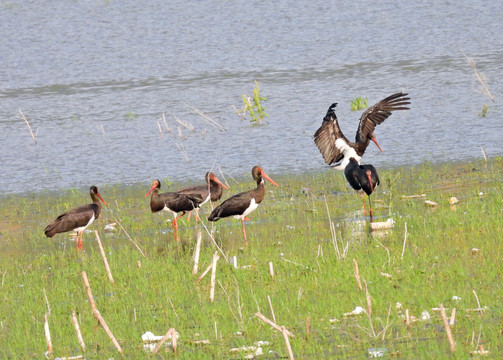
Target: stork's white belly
(253, 206)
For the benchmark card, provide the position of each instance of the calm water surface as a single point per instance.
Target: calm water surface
(94, 78)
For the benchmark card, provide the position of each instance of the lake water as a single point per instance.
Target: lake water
(93, 79)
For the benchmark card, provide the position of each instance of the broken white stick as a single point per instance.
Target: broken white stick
(284, 331)
(77, 330)
(104, 256)
(357, 275)
(196, 253)
(47, 335)
(447, 328)
(171, 333)
(213, 275)
(271, 269)
(273, 324)
(97, 314)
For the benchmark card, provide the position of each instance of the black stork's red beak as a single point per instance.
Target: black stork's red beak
(154, 185)
(373, 138)
(214, 178)
(98, 195)
(268, 178)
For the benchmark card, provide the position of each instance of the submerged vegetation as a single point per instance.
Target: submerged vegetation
(311, 265)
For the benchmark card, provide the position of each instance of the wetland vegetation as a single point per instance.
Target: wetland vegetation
(314, 233)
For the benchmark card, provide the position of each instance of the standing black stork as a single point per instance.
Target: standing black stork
(77, 219)
(362, 178)
(172, 202)
(335, 147)
(211, 191)
(242, 204)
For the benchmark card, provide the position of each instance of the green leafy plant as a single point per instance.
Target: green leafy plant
(253, 106)
(359, 103)
(484, 110)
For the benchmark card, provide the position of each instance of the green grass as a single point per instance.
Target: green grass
(291, 229)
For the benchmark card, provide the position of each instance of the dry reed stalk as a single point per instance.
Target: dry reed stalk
(97, 314)
(171, 332)
(273, 324)
(165, 124)
(196, 253)
(452, 319)
(447, 328)
(183, 151)
(477, 298)
(160, 130)
(207, 118)
(130, 239)
(47, 302)
(104, 256)
(213, 275)
(184, 124)
(271, 269)
(481, 78)
(357, 275)
(214, 242)
(47, 335)
(284, 331)
(413, 196)
(369, 307)
(483, 153)
(308, 325)
(77, 330)
(272, 310)
(407, 318)
(29, 127)
(404, 240)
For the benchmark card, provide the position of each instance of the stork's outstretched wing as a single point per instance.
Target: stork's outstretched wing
(379, 112)
(326, 136)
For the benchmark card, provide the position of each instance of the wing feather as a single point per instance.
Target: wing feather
(379, 112)
(326, 136)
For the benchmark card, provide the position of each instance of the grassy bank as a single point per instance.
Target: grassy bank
(313, 232)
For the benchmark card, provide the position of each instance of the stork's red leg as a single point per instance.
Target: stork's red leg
(243, 226)
(363, 201)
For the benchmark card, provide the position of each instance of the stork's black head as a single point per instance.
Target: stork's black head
(331, 110)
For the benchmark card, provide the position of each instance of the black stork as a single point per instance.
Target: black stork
(242, 204)
(362, 178)
(211, 191)
(172, 202)
(77, 219)
(335, 147)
